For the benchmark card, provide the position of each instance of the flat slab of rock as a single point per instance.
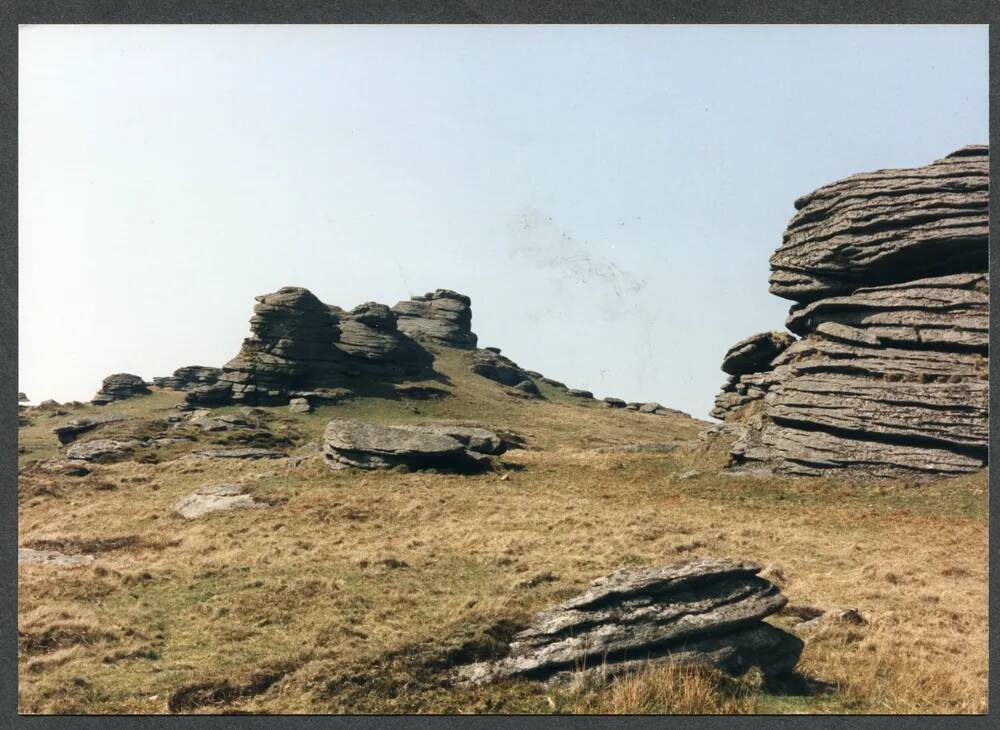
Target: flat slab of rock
(216, 498)
(102, 450)
(68, 432)
(351, 443)
(51, 557)
(701, 611)
(247, 453)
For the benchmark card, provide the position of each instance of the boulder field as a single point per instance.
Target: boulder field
(888, 274)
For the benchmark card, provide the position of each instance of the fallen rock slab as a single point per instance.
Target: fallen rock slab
(247, 453)
(51, 557)
(102, 450)
(706, 611)
(351, 443)
(216, 498)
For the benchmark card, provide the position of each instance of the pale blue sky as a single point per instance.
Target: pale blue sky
(608, 196)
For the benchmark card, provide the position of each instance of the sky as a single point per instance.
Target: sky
(607, 195)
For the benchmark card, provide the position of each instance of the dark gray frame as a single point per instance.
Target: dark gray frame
(426, 11)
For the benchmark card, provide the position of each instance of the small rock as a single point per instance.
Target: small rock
(215, 499)
(614, 402)
(101, 450)
(299, 405)
(51, 557)
(247, 453)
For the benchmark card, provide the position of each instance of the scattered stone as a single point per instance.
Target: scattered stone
(847, 616)
(119, 387)
(697, 612)
(189, 377)
(299, 405)
(215, 499)
(209, 423)
(525, 389)
(102, 451)
(691, 474)
(246, 453)
(576, 392)
(351, 443)
(554, 383)
(614, 402)
(51, 557)
(442, 317)
(643, 448)
(68, 432)
(63, 467)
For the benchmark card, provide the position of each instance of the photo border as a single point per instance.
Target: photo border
(452, 12)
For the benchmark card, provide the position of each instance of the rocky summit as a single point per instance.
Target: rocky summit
(888, 272)
(119, 387)
(705, 611)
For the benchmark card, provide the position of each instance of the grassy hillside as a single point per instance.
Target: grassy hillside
(358, 591)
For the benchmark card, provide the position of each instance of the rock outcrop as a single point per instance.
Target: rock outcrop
(119, 387)
(350, 443)
(698, 612)
(68, 432)
(298, 345)
(102, 451)
(491, 364)
(888, 273)
(442, 317)
(371, 338)
(189, 378)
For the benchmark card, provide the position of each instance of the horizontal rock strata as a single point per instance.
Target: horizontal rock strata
(442, 317)
(890, 377)
(68, 432)
(703, 611)
(189, 377)
(119, 387)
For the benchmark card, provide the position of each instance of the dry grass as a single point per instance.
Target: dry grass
(359, 591)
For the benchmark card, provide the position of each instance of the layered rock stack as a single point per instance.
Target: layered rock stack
(888, 272)
(300, 344)
(189, 378)
(119, 387)
(705, 611)
(442, 317)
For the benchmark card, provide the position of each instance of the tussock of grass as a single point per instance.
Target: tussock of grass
(363, 588)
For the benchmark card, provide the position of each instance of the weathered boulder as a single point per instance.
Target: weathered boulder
(188, 377)
(119, 387)
(885, 227)
(890, 377)
(216, 498)
(755, 352)
(702, 611)
(351, 443)
(68, 432)
(614, 402)
(442, 317)
(370, 336)
(503, 370)
(299, 405)
(102, 451)
(578, 393)
(214, 394)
